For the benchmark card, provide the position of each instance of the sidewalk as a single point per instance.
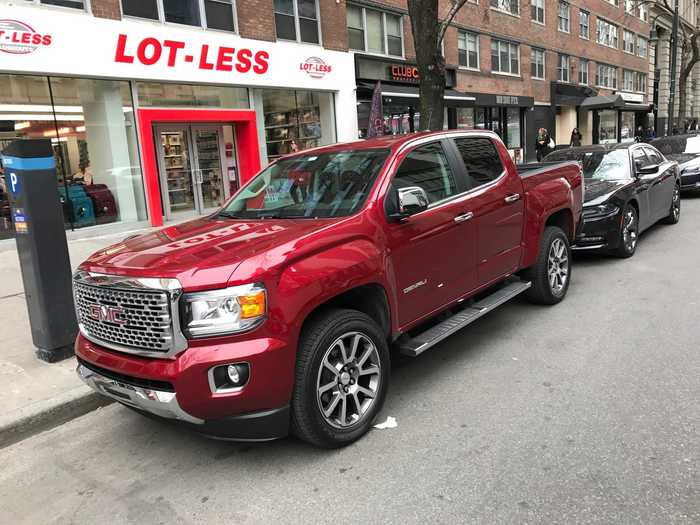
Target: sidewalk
(38, 395)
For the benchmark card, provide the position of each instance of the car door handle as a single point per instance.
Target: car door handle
(464, 217)
(512, 198)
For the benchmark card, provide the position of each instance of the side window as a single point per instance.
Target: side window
(640, 159)
(427, 167)
(480, 159)
(654, 156)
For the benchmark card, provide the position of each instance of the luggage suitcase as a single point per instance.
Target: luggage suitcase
(103, 202)
(80, 209)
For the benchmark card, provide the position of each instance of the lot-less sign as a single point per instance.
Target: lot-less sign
(53, 42)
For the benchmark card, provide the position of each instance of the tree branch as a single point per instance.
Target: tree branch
(456, 6)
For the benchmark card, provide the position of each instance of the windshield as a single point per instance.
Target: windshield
(599, 165)
(309, 186)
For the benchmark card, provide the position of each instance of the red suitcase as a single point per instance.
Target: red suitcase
(104, 204)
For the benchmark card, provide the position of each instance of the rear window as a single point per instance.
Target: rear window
(480, 158)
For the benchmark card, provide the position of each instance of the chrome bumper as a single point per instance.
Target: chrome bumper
(157, 402)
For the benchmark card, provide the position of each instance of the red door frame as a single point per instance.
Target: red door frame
(247, 149)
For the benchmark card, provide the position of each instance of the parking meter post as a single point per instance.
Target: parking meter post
(30, 175)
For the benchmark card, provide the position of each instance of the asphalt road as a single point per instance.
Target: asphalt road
(586, 412)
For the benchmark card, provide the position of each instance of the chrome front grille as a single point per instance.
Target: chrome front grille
(137, 316)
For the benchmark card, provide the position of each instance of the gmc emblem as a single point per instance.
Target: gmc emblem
(109, 314)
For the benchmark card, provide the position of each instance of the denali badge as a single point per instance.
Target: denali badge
(109, 314)
(409, 289)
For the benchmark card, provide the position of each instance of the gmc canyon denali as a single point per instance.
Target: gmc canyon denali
(278, 311)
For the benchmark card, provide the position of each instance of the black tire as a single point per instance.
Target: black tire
(541, 291)
(627, 243)
(674, 214)
(317, 339)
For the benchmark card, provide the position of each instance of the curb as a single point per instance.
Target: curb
(45, 415)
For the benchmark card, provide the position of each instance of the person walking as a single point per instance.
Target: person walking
(576, 138)
(542, 144)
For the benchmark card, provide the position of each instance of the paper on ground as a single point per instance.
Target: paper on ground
(389, 423)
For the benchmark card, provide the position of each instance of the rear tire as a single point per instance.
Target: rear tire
(551, 274)
(674, 214)
(342, 376)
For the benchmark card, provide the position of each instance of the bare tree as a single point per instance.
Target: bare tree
(428, 33)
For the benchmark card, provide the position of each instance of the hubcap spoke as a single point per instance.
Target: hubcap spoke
(333, 404)
(328, 386)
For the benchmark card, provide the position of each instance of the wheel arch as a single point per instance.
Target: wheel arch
(564, 220)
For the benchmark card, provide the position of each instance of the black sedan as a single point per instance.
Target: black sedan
(685, 150)
(628, 188)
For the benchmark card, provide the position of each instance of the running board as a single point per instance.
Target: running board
(425, 340)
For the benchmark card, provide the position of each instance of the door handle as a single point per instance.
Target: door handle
(514, 197)
(464, 217)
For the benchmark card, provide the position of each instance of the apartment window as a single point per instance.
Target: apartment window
(564, 14)
(537, 63)
(583, 71)
(613, 2)
(76, 4)
(537, 10)
(374, 31)
(627, 80)
(628, 41)
(212, 14)
(630, 7)
(640, 82)
(297, 20)
(642, 46)
(509, 6)
(644, 12)
(468, 49)
(584, 24)
(563, 68)
(505, 57)
(606, 33)
(606, 76)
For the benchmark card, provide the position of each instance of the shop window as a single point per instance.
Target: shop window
(584, 23)
(537, 10)
(513, 128)
(583, 71)
(626, 126)
(297, 20)
(75, 4)
(427, 167)
(212, 14)
(92, 128)
(563, 68)
(606, 34)
(537, 69)
(509, 6)
(564, 16)
(468, 49)
(480, 158)
(157, 94)
(505, 57)
(607, 126)
(465, 118)
(374, 31)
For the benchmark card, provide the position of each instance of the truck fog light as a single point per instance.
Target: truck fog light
(228, 378)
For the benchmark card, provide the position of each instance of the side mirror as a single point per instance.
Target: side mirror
(651, 169)
(409, 201)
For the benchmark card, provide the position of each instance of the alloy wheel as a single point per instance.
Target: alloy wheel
(348, 380)
(676, 203)
(557, 266)
(629, 230)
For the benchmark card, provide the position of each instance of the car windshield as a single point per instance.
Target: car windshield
(309, 186)
(599, 165)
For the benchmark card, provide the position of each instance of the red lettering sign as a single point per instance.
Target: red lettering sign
(19, 38)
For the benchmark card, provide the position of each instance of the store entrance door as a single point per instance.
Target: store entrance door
(197, 167)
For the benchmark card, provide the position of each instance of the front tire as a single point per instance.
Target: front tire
(551, 274)
(629, 233)
(674, 214)
(342, 376)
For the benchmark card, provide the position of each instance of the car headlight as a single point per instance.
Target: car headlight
(602, 210)
(226, 311)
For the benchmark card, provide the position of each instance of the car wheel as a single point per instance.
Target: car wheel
(342, 376)
(674, 214)
(551, 274)
(629, 232)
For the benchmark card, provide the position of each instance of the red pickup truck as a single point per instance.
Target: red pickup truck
(278, 312)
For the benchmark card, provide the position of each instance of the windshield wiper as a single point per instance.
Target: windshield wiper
(228, 215)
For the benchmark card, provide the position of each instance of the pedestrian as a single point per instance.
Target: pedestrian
(639, 137)
(542, 144)
(576, 138)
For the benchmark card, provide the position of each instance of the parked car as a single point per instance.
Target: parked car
(685, 150)
(628, 188)
(278, 311)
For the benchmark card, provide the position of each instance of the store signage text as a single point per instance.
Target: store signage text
(19, 38)
(151, 51)
(315, 67)
(402, 72)
(506, 100)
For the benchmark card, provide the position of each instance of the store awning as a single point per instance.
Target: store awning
(402, 91)
(612, 102)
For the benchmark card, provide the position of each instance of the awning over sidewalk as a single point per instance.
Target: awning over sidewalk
(612, 102)
(451, 96)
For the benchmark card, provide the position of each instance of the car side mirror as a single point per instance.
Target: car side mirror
(410, 200)
(650, 169)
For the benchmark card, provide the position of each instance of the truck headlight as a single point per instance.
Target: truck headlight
(226, 311)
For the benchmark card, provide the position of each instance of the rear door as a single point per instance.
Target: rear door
(497, 204)
(432, 253)
(663, 194)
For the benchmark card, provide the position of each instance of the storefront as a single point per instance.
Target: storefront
(616, 117)
(399, 82)
(151, 121)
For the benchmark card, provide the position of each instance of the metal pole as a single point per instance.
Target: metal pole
(672, 70)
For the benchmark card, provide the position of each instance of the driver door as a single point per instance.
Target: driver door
(645, 184)
(432, 253)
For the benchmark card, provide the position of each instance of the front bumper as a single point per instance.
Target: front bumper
(598, 233)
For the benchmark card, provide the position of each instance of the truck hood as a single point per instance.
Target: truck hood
(202, 253)
(598, 191)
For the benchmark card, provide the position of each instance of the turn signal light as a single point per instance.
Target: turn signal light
(252, 305)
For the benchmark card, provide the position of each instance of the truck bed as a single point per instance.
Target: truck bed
(533, 168)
